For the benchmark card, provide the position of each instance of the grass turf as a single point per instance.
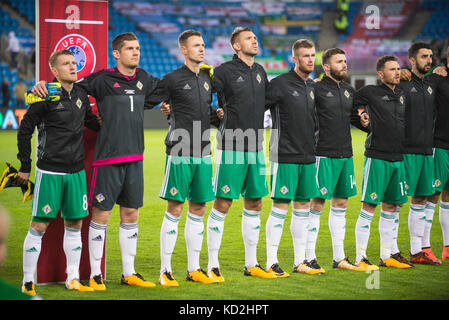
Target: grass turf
(420, 282)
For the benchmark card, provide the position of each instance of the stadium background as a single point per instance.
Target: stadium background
(277, 24)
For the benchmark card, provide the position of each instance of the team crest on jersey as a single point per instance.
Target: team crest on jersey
(226, 189)
(206, 86)
(429, 90)
(46, 209)
(100, 197)
(284, 190)
(82, 49)
(139, 85)
(373, 196)
(259, 78)
(347, 95)
(79, 103)
(323, 190)
(312, 95)
(401, 99)
(173, 191)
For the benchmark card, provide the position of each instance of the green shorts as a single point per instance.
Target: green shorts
(383, 181)
(419, 174)
(238, 172)
(335, 177)
(187, 178)
(290, 181)
(441, 161)
(54, 191)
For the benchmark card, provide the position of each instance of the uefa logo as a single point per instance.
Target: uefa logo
(83, 51)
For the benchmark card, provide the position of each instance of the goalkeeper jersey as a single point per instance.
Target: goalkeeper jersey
(121, 101)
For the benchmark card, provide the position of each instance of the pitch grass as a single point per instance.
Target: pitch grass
(420, 282)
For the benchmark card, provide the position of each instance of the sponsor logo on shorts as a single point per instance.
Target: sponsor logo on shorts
(100, 197)
(46, 209)
(284, 190)
(373, 196)
(173, 191)
(226, 189)
(437, 182)
(323, 190)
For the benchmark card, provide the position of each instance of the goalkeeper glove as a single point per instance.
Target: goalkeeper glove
(54, 94)
(208, 68)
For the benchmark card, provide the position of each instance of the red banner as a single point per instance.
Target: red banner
(80, 26)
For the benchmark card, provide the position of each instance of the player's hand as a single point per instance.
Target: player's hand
(22, 177)
(440, 71)
(220, 113)
(406, 75)
(165, 109)
(99, 120)
(317, 80)
(364, 119)
(40, 89)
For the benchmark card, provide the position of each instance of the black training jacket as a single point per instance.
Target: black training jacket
(441, 136)
(419, 114)
(60, 126)
(336, 113)
(241, 93)
(385, 108)
(292, 105)
(191, 114)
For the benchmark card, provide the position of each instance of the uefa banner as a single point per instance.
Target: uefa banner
(80, 26)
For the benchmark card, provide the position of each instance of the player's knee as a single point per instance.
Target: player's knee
(39, 226)
(222, 204)
(445, 196)
(74, 224)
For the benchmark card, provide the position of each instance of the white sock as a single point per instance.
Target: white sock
(72, 248)
(31, 250)
(193, 233)
(274, 227)
(127, 236)
(168, 236)
(416, 224)
(386, 225)
(215, 227)
(337, 227)
(362, 231)
(250, 233)
(394, 243)
(298, 229)
(429, 212)
(97, 235)
(312, 234)
(444, 221)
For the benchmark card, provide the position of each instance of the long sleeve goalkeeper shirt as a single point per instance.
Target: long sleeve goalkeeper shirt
(121, 101)
(60, 132)
(386, 108)
(241, 93)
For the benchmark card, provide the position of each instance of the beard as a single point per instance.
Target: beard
(422, 68)
(338, 75)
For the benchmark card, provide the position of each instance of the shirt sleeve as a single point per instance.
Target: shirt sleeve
(30, 120)
(93, 84)
(272, 94)
(157, 92)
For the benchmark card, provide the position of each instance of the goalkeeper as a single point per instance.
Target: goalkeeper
(60, 177)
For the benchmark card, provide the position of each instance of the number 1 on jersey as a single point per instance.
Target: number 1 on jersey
(131, 100)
